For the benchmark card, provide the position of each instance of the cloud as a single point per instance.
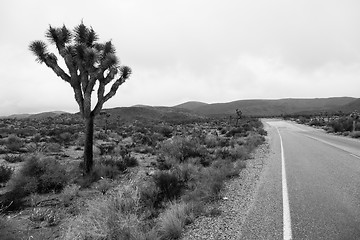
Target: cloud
(212, 51)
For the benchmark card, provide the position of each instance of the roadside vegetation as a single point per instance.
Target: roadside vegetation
(150, 178)
(338, 123)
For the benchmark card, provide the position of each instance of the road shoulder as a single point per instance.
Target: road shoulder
(238, 196)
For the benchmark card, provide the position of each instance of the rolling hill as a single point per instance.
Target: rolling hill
(169, 114)
(277, 107)
(36, 115)
(192, 105)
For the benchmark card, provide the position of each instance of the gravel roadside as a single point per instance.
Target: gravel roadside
(237, 198)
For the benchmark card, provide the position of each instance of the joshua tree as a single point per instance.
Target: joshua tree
(355, 117)
(88, 62)
(238, 116)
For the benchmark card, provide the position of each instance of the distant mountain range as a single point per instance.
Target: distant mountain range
(36, 115)
(278, 107)
(195, 110)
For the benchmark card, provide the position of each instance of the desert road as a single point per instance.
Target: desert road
(310, 187)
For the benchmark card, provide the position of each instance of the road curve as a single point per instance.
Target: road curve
(323, 186)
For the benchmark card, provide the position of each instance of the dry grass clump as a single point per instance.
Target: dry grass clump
(174, 218)
(110, 217)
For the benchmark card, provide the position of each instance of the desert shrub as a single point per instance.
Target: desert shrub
(186, 172)
(181, 148)
(36, 176)
(103, 185)
(211, 140)
(106, 148)
(254, 140)
(262, 132)
(144, 149)
(207, 187)
(223, 131)
(341, 124)
(69, 193)
(238, 153)
(101, 136)
(52, 147)
(106, 170)
(317, 122)
(166, 131)
(130, 161)
(169, 184)
(32, 147)
(5, 173)
(80, 141)
(107, 167)
(227, 168)
(14, 158)
(173, 220)
(141, 138)
(14, 143)
(223, 152)
(355, 134)
(236, 131)
(165, 162)
(149, 199)
(114, 162)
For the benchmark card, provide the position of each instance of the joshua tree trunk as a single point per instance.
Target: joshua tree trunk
(89, 140)
(354, 125)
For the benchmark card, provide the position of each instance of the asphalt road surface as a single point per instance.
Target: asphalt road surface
(310, 187)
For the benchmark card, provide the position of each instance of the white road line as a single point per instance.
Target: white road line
(286, 207)
(336, 146)
(355, 155)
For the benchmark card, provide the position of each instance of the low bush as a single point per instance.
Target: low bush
(235, 131)
(14, 158)
(165, 162)
(103, 185)
(130, 161)
(106, 148)
(181, 148)
(5, 173)
(355, 134)
(169, 184)
(262, 132)
(206, 183)
(254, 140)
(149, 198)
(35, 176)
(211, 141)
(239, 153)
(69, 193)
(14, 143)
(114, 162)
(52, 147)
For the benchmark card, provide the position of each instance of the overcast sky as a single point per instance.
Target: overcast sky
(199, 50)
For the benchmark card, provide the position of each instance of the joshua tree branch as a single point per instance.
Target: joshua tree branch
(100, 95)
(51, 62)
(114, 88)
